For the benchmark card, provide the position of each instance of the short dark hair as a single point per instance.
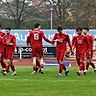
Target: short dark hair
(37, 25)
(86, 29)
(79, 29)
(59, 28)
(8, 28)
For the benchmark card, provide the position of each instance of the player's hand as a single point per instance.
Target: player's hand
(56, 40)
(72, 52)
(9, 43)
(28, 44)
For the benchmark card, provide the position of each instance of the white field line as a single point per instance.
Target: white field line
(52, 80)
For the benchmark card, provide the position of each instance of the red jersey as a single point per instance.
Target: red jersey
(2, 33)
(1, 40)
(10, 39)
(91, 39)
(62, 40)
(81, 43)
(35, 37)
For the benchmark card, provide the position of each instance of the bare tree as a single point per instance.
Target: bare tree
(15, 10)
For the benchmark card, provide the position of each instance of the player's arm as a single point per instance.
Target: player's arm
(54, 39)
(73, 43)
(28, 39)
(47, 40)
(68, 40)
(88, 45)
(13, 43)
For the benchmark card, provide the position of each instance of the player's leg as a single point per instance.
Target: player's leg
(78, 59)
(60, 56)
(3, 64)
(2, 61)
(34, 65)
(60, 68)
(34, 56)
(62, 63)
(37, 65)
(42, 65)
(89, 61)
(82, 65)
(10, 64)
(40, 54)
(10, 61)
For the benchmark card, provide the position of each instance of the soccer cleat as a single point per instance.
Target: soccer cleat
(66, 73)
(67, 54)
(4, 72)
(41, 72)
(85, 70)
(34, 72)
(78, 73)
(94, 70)
(84, 73)
(58, 75)
(38, 70)
(14, 73)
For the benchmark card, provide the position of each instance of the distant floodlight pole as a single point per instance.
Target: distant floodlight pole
(51, 22)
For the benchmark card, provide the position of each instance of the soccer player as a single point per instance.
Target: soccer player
(80, 42)
(61, 39)
(2, 52)
(35, 38)
(10, 44)
(29, 44)
(89, 53)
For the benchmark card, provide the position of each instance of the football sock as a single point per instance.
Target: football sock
(12, 68)
(41, 67)
(3, 64)
(87, 66)
(82, 66)
(61, 67)
(37, 63)
(78, 62)
(7, 68)
(34, 68)
(92, 64)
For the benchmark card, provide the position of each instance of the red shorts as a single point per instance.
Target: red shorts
(9, 53)
(60, 54)
(37, 51)
(80, 56)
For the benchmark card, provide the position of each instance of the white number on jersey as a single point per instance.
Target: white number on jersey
(36, 36)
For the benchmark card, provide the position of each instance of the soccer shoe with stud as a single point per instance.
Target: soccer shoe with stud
(4, 73)
(78, 73)
(94, 70)
(41, 72)
(14, 73)
(34, 72)
(58, 75)
(66, 73)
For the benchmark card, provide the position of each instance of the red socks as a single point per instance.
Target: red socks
(61, 67)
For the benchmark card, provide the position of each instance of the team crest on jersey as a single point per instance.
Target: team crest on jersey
(79, 41)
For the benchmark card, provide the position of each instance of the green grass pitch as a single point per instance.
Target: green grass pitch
(25, 84)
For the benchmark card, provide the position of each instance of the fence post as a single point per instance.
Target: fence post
(20, 53)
